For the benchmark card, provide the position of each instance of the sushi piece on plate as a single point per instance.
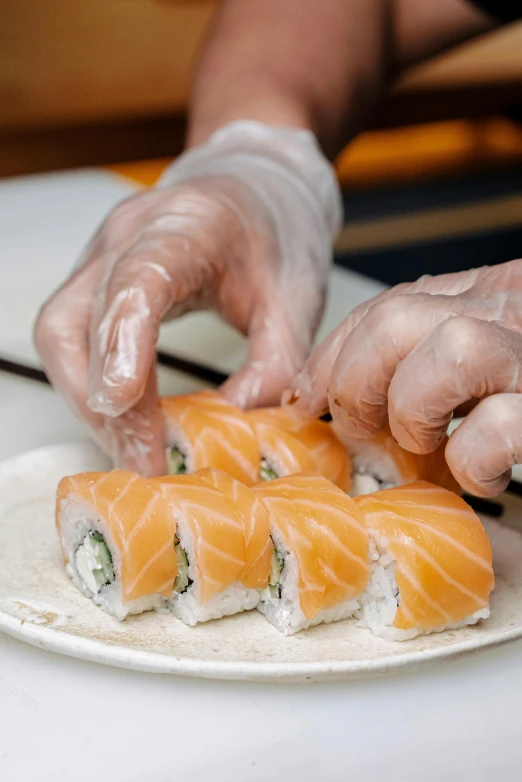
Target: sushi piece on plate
(431, 562)
(281, 453)
(291, 442)
(381, 463)
(210, 546)
(204, 430)
(117, 536)
(256, 532)
(320, 556)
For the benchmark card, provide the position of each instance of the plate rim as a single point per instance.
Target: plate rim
(115, 656)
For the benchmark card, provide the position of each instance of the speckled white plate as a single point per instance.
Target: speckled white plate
(39, 604)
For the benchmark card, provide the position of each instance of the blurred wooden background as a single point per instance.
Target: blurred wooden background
(104, 81)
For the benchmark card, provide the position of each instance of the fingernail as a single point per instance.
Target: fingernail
(342, 421)
(404, 439)
(346, 425)
(243, 390)
(100, 403)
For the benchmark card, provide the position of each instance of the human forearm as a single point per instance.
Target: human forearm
(423, 28)
(301, 63)
(318, 65)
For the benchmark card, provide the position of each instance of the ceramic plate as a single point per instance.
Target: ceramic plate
(39, 604)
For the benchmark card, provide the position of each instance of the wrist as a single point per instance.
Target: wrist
(260, 155)
(272, 108)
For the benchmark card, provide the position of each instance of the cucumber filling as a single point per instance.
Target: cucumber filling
(274, 585)
(267, 472)
(94, 562)
(182, 582)
(176, 462)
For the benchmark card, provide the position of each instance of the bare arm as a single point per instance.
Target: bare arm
(423, 28)
(317, 64)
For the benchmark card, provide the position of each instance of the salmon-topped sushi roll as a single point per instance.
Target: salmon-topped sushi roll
(431, 562)
(256, 531)
(281, 452)
(211, 551)
(291, 442)
(320, 555)
(381, 463)
(117, 536)
(204, 430)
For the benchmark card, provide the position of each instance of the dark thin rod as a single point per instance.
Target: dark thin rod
(200, 371)
(488, 507)
(22, 370)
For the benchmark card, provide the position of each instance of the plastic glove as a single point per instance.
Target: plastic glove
(244, 225)
(418, 352)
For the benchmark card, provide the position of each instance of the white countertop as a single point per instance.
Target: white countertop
(62, 719)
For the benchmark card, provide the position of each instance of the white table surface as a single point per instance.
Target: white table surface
(62, 719)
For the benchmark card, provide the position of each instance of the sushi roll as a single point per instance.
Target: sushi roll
(431, 562)
(320, 563)
(381, 463)
(256, 531)
(117, 537)
(281, 452)
(204, 430)
(210, 546)
(291, 442)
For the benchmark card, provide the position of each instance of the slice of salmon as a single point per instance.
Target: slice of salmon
(383, 456)
(324, 529)
(254, 516)
(284, 453)
(301, 443)
(139, 523)
(215, 433)
(218, 548)
(443, 555)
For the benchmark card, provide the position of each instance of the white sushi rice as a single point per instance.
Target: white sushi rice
(363, 483)
(77, 519)
(176, 438)
(370, 460)
(231, 600)
(381, 598)
(285, 612)
(372, 468)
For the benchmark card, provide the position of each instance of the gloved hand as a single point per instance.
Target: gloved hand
(243, 225)
(417, 353)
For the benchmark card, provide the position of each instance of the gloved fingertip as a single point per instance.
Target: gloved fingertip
(303, 395)
(491, 488)
(103, 403)
(420, 438)
(240, 391)
(255, 386)
(137, 443)
(152, 467)
(346, 426)
(462, 462)
(404, 438)
(146, 464)
(349, 426)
